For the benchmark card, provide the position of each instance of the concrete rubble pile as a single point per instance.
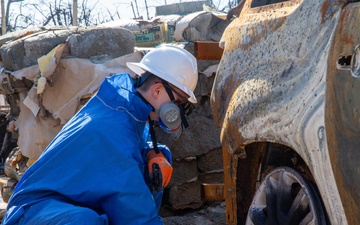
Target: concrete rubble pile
(57, 68)
(48, 73)
(197, 26)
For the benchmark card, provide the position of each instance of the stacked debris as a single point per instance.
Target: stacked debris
(201, 26)
(48, 73)
(197, 26)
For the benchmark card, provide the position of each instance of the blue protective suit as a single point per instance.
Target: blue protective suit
(95, 169)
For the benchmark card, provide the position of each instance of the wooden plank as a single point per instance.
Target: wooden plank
(213, 192)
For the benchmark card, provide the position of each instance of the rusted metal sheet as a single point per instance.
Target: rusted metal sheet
(207, 50)
(230, 165)
(276, 83)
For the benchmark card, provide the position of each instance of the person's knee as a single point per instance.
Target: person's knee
(53, 212)
(84, 216)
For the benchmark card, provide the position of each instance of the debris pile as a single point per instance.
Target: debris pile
(197, 26)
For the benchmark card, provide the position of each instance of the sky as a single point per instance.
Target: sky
(125, 11)
(119, 9)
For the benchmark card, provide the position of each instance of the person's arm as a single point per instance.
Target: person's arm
(132, 203)
(159, 163)
(128, 199)
(146, 152)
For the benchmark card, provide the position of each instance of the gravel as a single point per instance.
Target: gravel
(211, 214)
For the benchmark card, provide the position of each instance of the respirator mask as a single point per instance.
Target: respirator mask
(170, 119)
(172, 114)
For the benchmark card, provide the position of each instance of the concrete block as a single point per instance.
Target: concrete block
(186, 196)
(212, 178)
(113, 42)
(184, 171)
(201, 136)
(211, 161)
(84, 42)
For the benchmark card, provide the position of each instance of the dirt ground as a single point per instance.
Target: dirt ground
(211, 214)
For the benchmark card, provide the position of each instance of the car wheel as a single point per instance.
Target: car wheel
(286, 197)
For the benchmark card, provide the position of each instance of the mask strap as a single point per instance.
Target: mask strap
(168, 90)
(153, 136)
(144, 100)
(139, 80)
(183, 117)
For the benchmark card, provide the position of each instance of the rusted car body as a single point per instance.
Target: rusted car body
(287, 94)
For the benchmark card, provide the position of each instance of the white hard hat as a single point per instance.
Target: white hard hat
(172, 64)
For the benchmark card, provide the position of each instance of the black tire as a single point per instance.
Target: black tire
(285, 197)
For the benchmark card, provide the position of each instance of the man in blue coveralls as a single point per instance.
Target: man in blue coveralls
(102, 168)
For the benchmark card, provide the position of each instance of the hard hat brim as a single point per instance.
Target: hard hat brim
(135, 67)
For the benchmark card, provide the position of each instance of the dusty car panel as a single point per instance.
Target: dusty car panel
(342, 116)
(279, 81)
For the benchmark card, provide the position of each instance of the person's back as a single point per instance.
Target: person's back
(94, 162)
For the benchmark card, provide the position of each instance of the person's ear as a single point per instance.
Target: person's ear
(156, 90)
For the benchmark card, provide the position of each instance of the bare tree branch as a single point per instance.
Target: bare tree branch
(111, 17)
(56, 12)
(37, 8)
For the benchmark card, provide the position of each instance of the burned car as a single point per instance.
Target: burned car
(286, 96)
